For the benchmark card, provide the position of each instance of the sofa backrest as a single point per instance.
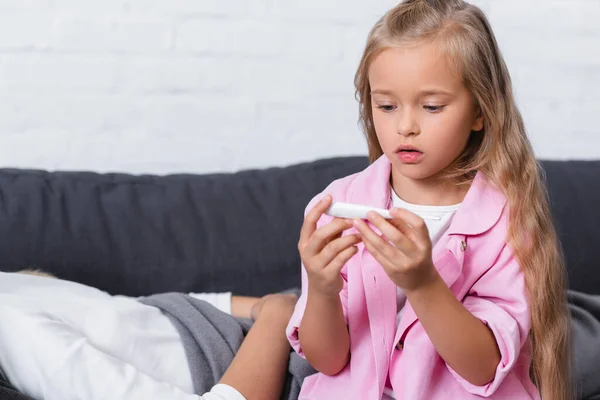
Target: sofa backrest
(574, 189)
(138, 235)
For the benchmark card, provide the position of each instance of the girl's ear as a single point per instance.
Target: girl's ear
(478, 124)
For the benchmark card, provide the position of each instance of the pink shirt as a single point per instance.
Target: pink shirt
(474, 260)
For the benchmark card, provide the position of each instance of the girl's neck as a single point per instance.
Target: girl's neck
(428, 192)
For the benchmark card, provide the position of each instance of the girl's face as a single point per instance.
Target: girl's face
(422, 112)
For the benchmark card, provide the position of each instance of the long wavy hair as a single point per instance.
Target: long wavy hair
(502, 152)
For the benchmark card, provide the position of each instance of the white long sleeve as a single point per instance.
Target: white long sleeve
(223, 392)
(222, 301)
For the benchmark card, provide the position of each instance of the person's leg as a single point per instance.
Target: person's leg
(258, 369)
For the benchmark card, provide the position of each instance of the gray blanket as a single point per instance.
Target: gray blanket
(585, 312)
(211, 338)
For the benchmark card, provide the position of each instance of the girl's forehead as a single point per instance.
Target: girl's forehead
(413, 66)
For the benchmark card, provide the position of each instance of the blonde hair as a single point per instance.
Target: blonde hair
(36, 272)
(502, 152)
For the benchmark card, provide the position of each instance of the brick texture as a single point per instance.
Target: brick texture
(155, 86)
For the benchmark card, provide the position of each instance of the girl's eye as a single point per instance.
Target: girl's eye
(433, 109)
(386, 108)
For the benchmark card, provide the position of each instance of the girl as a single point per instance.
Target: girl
(470, 303)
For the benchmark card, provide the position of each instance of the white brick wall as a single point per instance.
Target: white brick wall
(218, 85)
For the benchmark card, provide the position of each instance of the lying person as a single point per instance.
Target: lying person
(61, 340)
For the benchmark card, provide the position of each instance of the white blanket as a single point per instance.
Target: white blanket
(60, 340)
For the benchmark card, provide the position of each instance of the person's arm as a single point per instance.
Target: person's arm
(323, 333)
(465, 343)
(241, 306)
(237, 306)
(259, 367)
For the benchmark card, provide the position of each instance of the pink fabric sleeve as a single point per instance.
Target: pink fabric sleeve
(498, 299)
(294, 324)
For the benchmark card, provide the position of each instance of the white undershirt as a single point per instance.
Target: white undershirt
(438, 220)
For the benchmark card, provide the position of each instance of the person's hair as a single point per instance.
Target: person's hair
(502, 152)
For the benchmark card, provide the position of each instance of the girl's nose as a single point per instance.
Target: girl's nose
(407, 124)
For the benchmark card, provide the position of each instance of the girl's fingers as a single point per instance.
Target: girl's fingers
(337, 246)
(325, 234)
(377, 245)
(335, 266)
(312, 217)
(367, 233)
(388, 265)
(411, 225)
(392, 233)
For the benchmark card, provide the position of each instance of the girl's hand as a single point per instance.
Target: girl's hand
(404, 251)
(324, 251)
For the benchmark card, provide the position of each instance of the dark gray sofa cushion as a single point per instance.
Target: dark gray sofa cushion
(139, 235)
(574, 188)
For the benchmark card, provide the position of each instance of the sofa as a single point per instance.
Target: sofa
(142, 235)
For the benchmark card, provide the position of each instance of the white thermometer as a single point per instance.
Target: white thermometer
(350, 211)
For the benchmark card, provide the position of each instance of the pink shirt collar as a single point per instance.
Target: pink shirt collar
(480, 209)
